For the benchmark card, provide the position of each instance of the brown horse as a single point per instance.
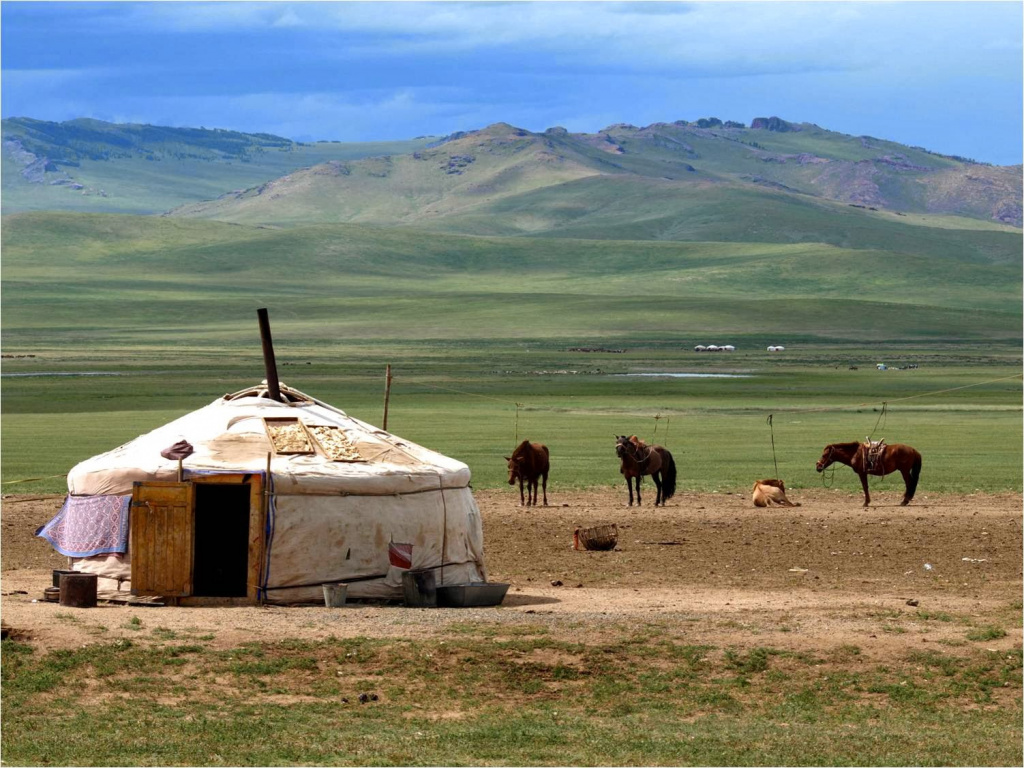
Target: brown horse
(892, 458)
(529, 461)
(639, 459)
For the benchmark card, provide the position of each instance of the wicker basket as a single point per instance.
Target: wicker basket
(601, 537)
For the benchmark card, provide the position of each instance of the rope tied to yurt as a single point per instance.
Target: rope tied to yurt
(31, 479)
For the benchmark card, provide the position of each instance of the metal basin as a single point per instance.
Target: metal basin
(478, 593)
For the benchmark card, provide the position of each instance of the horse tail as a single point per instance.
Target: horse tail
(668, 477)
(915, 475)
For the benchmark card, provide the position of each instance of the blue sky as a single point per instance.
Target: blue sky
(946, 76)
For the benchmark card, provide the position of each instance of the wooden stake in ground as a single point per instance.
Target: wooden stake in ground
(387, 395)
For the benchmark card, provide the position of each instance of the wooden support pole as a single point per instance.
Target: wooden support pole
(387, 395)
(261, 595)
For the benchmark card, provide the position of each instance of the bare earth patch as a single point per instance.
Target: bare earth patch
(708, 569)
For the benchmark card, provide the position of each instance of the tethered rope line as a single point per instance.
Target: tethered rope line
(823, 409)
(471, 394)
(32, 479)
(668, 423)
(772, 430)
(901, 399)
(885, 406)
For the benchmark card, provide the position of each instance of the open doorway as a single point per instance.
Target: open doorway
(221, 554)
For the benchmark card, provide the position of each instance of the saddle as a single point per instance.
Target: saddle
(873, 453)
(643, 450)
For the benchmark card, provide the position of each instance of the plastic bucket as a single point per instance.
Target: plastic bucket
(420, 589)
(335, 594)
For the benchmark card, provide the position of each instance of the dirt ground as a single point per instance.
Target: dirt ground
(708, 567)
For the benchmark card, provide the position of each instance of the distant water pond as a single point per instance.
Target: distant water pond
(64, 373)
(691, 375)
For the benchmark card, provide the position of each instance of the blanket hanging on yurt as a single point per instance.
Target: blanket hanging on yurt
(89, 525)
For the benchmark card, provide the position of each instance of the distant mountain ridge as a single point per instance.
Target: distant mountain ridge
(92, 165)
(469, 175)
(648, 180)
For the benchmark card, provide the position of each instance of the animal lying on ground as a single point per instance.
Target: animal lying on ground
(529, 462)
(771, 491)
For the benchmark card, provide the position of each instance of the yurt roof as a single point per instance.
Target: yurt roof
(233, 434)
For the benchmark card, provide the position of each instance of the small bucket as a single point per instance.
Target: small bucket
(335, 594)
(420, 589)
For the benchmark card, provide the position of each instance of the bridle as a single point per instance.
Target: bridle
(829, 464)
(630, 449)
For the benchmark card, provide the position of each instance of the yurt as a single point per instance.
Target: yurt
(255, 499)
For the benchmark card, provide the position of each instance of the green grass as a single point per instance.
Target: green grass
(625, 699)
(716, 428)
(474, 325)
(983, 634)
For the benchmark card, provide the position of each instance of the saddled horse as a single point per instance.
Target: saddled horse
(639, 459)
(529, 462)
(891, 458)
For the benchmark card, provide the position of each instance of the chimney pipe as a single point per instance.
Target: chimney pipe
(273, 388)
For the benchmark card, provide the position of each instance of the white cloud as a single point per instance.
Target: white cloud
(700, 39)
(744, 36)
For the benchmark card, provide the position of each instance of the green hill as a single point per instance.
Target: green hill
(631, 182)
(91, 165)
(132, 282)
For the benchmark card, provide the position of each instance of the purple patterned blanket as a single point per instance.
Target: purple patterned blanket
(89, 525)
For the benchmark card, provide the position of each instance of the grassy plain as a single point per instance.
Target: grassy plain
(461, 400)
(475, 325)
(495, 695)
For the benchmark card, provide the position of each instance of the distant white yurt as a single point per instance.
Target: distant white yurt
(776, 348)
(713, 348)
(700, 348)
(728, 348)
(275, 499)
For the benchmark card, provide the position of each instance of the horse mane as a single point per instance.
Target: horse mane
(853, 445)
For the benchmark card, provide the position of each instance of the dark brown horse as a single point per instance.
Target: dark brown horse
(639, 459)
(892, 458)
(529, 462)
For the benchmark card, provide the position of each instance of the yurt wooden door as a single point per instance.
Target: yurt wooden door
(198, 541)
(162, 539)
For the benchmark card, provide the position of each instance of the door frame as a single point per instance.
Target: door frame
(257, 539)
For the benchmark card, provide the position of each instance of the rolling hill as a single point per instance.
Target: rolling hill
(110, 281)
(91, 165)
(675, 229)
(664, 181)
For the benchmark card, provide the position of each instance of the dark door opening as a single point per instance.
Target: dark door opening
(221, 560)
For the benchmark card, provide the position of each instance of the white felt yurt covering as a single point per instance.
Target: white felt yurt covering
(328, 521)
